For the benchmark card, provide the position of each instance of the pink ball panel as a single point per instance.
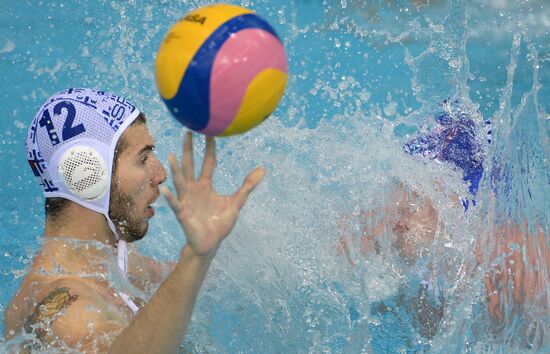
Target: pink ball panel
(243, 56)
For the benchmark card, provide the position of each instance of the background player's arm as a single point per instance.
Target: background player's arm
(515, 273)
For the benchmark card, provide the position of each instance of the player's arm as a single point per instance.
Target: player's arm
(515, 270)
(371, 227)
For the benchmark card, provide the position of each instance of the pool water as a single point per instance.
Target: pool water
(365, 76)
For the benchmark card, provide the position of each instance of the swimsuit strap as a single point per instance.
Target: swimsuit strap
(122, 254)
(131, 304)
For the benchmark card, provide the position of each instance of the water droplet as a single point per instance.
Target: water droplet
(9, 47)
(455, 63)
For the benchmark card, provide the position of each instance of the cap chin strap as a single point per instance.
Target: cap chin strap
(122, 258)
(122, 254)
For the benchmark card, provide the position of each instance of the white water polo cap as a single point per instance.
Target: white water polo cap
(71, 144)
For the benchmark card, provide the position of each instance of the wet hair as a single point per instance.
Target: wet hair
(55, 206)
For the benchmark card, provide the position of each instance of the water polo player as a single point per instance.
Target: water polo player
(94, 158)
(514, 280)
(407, 221)
(453, 139)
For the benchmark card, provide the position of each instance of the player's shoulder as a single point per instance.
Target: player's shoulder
(76, 284)
(70, 310)
(48, 300)
(33, 291)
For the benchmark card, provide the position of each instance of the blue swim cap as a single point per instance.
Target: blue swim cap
(453, 139)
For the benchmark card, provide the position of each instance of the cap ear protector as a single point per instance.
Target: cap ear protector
(84, 172)
(81, 169)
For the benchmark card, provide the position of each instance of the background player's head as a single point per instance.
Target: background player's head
(453, 138)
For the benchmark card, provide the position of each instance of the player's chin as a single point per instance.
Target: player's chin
(150, 211)
(139, 232)
(143, 229)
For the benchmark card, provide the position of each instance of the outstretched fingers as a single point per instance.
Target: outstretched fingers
(181, 174)
(177, 174)
(173, 201)
(188, 162)
(249, 184)
(209, 159)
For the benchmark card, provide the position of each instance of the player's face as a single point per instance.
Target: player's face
(416, 225)
(135, 184)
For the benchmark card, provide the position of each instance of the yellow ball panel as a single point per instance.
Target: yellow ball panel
(184, 40)
(261, 98)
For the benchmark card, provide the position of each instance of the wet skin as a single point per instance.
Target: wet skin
(513, 266)
(58, 264)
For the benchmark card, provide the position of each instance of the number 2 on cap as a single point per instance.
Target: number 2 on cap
(68, 130)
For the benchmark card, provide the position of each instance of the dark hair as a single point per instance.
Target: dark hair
(54, 206)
